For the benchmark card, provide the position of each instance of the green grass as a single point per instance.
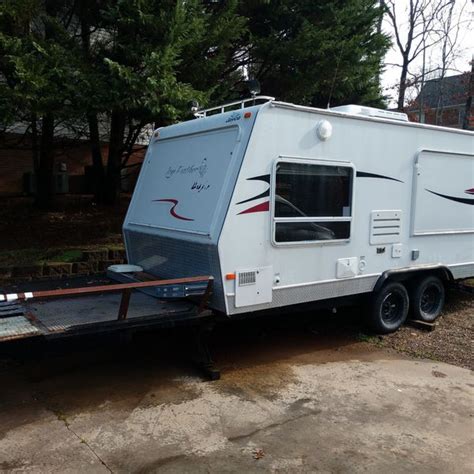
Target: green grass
(362, 337)
(67, 256)
(38, 256)
(22, 257)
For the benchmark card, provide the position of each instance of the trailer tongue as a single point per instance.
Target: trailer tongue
(53, 312)
(106, 308)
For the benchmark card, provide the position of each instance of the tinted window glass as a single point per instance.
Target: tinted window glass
(302, 231)
(305, 190)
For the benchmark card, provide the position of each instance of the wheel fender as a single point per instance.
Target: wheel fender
(400, 274)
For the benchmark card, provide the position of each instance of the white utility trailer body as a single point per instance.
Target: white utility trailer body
(285, 204)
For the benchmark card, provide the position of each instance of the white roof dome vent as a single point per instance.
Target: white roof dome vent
(371, 112)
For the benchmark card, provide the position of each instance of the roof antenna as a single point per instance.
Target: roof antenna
(334, 78)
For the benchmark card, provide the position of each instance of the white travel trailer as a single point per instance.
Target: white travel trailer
(284, 204)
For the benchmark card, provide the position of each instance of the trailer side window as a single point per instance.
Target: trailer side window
(312, 202)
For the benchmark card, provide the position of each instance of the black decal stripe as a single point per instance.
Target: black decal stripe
(363, 174)
(453, 198)
(266, 179)
(264, 194)
(263, 177)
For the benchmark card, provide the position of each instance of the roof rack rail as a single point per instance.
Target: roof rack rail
(241, 103)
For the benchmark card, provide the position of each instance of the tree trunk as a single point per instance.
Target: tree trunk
(380, 20)
(117, 128)
(96, 151)
(467, 114)
(403, 87)
(422, 86)
(440, 101)
(97, 163)
(467, 111)
(44, 177)
(34, 142)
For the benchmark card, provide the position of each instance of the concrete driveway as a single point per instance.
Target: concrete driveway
(291, 399)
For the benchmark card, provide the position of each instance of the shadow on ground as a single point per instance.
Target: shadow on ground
(84, 372)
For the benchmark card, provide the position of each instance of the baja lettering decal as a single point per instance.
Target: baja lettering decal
(200, 186)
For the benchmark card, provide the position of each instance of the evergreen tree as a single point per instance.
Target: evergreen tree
(127, 63)
(38, 76)
(149, 60)
(317, 52)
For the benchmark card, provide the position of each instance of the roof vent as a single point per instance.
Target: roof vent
(371, 112)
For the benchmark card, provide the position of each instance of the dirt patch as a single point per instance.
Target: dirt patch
(260, 380)
(452, 340)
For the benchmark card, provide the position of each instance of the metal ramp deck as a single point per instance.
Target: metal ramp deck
(95, 309)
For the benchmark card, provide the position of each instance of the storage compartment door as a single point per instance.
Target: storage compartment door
(444, 193)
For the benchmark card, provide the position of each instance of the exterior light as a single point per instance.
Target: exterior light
(324, 130)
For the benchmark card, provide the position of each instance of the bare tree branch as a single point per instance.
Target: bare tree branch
(423, 25)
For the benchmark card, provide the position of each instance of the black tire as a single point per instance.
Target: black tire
(427, 299)
(389, 308)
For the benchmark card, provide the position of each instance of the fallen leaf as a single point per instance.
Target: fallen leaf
(258, 453)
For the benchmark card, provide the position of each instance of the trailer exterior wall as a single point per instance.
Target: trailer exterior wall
(384, 155)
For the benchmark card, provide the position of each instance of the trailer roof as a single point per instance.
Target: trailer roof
(351, 111)
(338, 113)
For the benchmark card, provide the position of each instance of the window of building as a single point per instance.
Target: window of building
(312, 202)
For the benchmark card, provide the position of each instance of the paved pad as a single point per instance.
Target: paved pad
(344, 410)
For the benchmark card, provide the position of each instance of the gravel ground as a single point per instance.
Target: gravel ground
(451, 341)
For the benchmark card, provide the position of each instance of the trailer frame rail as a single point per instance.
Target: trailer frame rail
(124, 288)
(28, 313)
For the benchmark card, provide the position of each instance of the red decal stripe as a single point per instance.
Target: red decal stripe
(469, 191)
(172, 210)
(263, 207)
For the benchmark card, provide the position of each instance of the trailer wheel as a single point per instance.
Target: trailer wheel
(427, 299)
(389, 308)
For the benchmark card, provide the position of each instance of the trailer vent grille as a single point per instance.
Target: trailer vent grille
(385, 227)
(247, 278)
